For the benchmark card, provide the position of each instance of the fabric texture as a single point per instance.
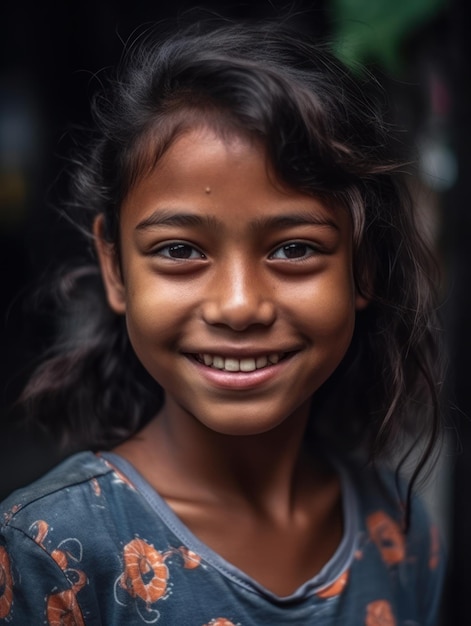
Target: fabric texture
(91, 543)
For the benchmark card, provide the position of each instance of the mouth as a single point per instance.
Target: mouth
(246, 364)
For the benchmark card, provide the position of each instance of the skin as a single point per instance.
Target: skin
(219, 258)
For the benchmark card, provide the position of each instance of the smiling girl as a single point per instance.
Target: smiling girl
(259, 257)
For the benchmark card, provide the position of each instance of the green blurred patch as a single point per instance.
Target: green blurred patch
(373, 30)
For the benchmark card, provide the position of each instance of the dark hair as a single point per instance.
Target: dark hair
(325, 135)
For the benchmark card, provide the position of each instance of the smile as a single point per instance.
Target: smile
(248, 364)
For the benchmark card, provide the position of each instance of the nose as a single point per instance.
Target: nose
(238, 297)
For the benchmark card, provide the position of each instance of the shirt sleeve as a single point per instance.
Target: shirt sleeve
(432, 566)
(36, 590)
(434, 592)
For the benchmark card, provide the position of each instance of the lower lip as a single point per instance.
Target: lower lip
(240, 380)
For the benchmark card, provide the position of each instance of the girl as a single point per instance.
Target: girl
(259, 257)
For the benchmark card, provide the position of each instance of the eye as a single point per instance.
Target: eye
(180, 251)
(293, 251)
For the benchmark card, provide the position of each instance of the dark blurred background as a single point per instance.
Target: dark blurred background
(50, 62)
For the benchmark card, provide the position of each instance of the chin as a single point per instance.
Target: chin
(237, 427)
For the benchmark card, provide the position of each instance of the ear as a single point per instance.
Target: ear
(110, 270)
(363, 287)
(361, 302)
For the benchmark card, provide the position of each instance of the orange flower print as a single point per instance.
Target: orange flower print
(191, 560)
(40, 529)
(145, 574)
(62, 609)
(96, 487)
(8, 516)
(220, 621)
(6, 584)
(336, 588)
(379, 613)
(60, 558)
(387, 536)
(434, 548)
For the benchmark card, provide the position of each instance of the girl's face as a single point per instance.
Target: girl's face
(238, 291)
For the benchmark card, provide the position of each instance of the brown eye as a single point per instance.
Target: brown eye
(294, 250)
(180, 251)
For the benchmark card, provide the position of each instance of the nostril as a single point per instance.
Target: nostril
(237, 306)
(239, 317)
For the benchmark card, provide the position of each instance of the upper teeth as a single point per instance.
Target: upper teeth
(239, 365)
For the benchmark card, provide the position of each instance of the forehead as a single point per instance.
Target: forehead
(227, 175)
(202, 149)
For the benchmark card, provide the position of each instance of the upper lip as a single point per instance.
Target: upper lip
(241, 353)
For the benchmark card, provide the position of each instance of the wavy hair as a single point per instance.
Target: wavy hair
(325, 134)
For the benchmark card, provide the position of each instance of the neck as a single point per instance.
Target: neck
(265, 470)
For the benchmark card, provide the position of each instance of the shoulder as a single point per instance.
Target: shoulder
(60, 533)
(77, 473)
(380, 489)
(381, 499)
(39, 566)
(82, 496)
(409, 562)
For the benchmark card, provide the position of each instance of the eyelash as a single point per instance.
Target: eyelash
(179, 245)
(310, 250)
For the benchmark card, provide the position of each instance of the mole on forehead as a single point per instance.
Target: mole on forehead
(207, 190)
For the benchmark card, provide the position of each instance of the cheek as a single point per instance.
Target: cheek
(152, 315)
(159, 313)
(152, 336)
(328, 308)
(153, 303)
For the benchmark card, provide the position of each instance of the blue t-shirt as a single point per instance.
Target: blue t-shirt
(93, 543)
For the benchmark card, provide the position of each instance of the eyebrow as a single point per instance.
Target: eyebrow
(170, 218)
(167, 218)
(308, 218)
